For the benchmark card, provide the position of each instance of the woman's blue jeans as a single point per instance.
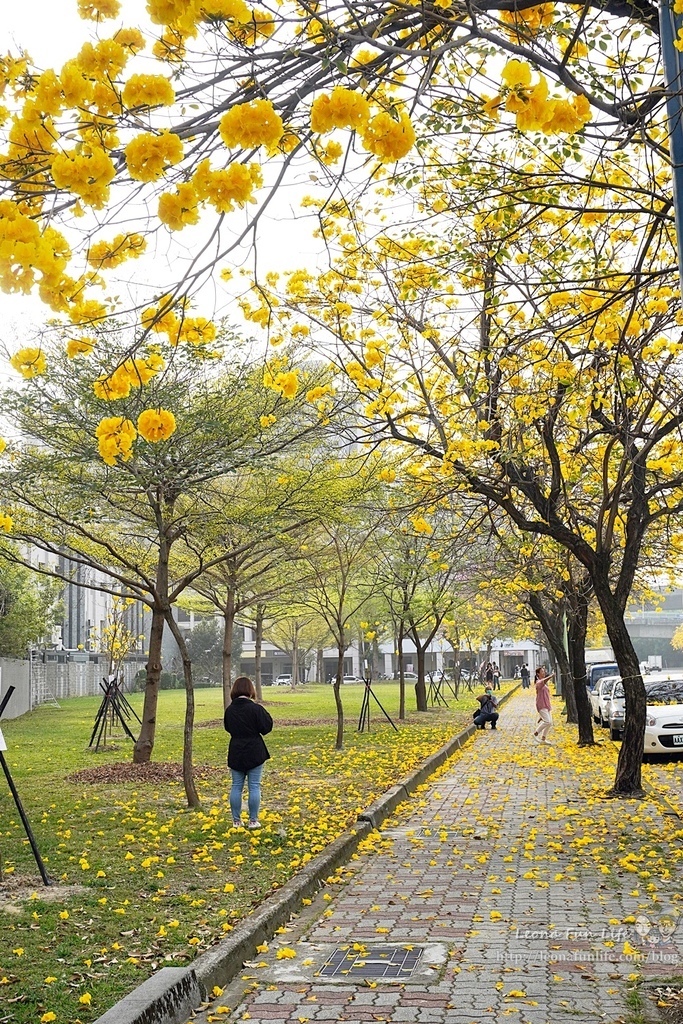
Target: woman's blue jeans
(253, 776)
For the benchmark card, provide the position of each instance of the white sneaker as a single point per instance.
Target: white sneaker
(253, 823)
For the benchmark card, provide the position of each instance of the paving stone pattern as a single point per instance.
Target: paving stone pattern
(453, 872)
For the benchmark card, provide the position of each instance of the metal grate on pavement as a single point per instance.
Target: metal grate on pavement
(373, 962)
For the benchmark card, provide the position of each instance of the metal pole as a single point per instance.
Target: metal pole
(669, 25)
(17, 801)
(25, 821)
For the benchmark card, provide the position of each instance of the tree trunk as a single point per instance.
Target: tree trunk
(258, 644)
(337, 698)
(320, 665)
(295, 656)
(627, 781)
(142, 751)
(401, 679)
(228, 629)
(188, 727)
(578, 625)
(420, 688)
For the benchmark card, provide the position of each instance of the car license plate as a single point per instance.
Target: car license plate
(678, 739)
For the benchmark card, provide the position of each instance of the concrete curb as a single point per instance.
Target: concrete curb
(169, 996)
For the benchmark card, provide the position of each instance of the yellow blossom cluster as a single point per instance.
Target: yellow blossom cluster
(29, 362)
(529, 21)
(94, 10)
(388, 137)
(250, 125)
(285, 382)
(6, 522)
(148, 155)
(170, 318)
(115, 436)
(105, 255)
(156, 424)
(148, 91)
(223, 189)
(534, 109)
(134, 372)
(80, 347)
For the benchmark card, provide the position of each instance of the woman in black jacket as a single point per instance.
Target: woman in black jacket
(247, 722)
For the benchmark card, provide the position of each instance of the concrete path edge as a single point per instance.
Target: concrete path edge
(170, 995)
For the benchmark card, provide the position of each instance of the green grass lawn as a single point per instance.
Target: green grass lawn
(143, 882)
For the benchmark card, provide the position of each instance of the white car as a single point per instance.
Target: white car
(601, 693)
(604, 690)
(352, 679)
(283, 680)
(663, 715)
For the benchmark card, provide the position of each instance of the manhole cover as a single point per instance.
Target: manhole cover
(375, 962)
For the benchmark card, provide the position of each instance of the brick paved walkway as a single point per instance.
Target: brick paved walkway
(519, 882)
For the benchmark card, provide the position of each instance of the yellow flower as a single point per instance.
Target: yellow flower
(389, 139)
(29, 362)
(251, 124)
(148, 156)
(516, 73)
(148, 91)
(105, 255)
(48, 1017)
(224, 188)
(85, 172)
(93, 10)
(285, 953)
(80, 347)
(86, 999)
(6, 522)
(64, 915)
(115, 436)
(224, 10)
(156, 424)
(343, 108)
(176, 209)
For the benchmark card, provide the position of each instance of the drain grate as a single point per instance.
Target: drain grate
(375, 962)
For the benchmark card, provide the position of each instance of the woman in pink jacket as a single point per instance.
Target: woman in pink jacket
(543, 706)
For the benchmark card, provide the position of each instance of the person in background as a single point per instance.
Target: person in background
(496, 676)
(487, 711)
(543, 706)
(247, 722)
(488, 674)
(525, 676)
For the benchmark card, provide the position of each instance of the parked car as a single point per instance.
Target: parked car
(283, 680)
(664, 714)
(352, 679)
(599, 671)
(599, 692)
(604, 699)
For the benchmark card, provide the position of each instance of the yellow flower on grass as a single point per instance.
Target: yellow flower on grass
(389, 139)
(148, 91)
(86, 999)
(48, 1017)
(64, 915)
(148, 155)
(251, 124)
(156, 424)
(29, 362)
(115, 436)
